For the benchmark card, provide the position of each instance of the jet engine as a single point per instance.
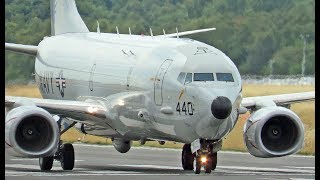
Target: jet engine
(121, 145)
(31, 132)
(273, 132)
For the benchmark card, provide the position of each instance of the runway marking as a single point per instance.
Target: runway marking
(151, 166)
(284, 179)
(286, 174)
(36, 159)
(228, 170)
(179, 150)
(20, 166)
(222, 167)
(24, 168)
(313, 168)
(86, 174)
(272, 178)
(119, 173)
(266, 169)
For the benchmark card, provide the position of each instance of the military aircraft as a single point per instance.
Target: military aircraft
(141, 88)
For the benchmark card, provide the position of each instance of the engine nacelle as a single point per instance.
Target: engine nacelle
(31, 132)
(273, 132)
(121, 145)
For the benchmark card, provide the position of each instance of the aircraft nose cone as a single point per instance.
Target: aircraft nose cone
(221, 107)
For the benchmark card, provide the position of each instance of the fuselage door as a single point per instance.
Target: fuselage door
(158, 81)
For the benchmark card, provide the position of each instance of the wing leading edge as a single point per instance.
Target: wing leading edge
(87, 109)
(77, 110)
(280, 100)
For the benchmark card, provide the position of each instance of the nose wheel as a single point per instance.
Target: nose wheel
(214, 160)
(198, 166)
(205, 161)
(208, 166)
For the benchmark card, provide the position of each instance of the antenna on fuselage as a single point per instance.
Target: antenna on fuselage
(117, 30)
(98, 27)
(164, 32)
(129, 31)
(177, 32)
(151, 32)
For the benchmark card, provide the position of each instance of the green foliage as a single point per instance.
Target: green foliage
(250, 32)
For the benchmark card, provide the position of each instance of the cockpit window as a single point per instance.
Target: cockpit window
(188, 78)
(225, 77)
(181, 77)
(203, 77)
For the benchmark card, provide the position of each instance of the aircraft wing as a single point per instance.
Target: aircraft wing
(77, 110)
(279, 100)
(87, 109)
(187, 32)
(20, 48)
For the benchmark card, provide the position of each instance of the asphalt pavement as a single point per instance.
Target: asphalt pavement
(104, 162)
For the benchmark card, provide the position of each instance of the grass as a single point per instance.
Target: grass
(234, 141)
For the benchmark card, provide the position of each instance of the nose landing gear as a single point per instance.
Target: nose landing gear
(205, 156)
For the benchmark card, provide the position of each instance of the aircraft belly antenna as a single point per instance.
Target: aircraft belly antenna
(164, 32)
(98, 27)
(177, 32)
(151, 32)
(129, 31)
(117, 30)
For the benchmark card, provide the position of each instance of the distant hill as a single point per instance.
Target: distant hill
(250, 32)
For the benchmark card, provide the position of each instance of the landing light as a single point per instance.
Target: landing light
(92, 110)
(203, 159)
(121, 102)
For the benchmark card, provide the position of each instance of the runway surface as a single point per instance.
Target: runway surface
(104, 162)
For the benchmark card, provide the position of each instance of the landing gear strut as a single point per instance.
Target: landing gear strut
(65, 154)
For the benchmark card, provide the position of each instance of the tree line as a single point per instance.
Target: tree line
(253, 33)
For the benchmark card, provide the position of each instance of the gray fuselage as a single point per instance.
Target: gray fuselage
(142, 72)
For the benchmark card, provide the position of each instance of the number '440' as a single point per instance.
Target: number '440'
(185, 108)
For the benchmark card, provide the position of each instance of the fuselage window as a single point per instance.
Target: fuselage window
(181, 77)
(225, 77)
(203, 77)
(188, 78)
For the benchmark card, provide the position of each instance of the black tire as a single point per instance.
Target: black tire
(46, 163)
(208, 166)
(67, 157)
(187, 157)
(214, 160)
(198, 166)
